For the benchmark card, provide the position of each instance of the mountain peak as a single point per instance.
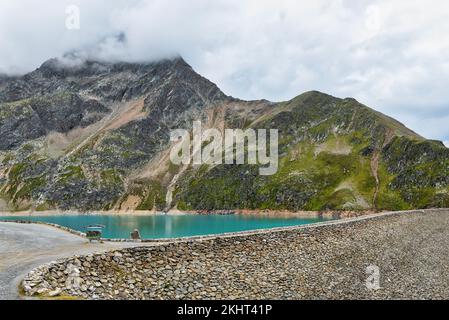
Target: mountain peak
(76, 66)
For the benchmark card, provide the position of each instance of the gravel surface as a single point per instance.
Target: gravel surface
(335, 261)
(26, 246)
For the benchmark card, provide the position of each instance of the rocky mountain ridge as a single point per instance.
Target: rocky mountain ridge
(95, 136)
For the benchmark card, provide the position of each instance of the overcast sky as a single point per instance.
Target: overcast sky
(392, 55)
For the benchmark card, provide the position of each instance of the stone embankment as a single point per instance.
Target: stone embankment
(391, 256)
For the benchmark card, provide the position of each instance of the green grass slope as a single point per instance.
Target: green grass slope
(334, 154)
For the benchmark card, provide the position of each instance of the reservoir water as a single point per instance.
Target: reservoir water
(168, 226)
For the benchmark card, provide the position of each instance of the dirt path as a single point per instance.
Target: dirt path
(389, 135)
(374, 172)
(26, 246)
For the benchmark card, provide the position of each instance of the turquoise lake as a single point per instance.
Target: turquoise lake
(168, 226)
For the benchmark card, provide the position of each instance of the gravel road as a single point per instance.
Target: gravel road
(26, 246)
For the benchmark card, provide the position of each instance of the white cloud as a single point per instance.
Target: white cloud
(391, 55)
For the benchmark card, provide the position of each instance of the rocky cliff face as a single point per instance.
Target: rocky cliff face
(95, 135)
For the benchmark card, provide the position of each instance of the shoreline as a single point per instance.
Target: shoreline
(263, 257)
(262, 213)
(334, 221)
